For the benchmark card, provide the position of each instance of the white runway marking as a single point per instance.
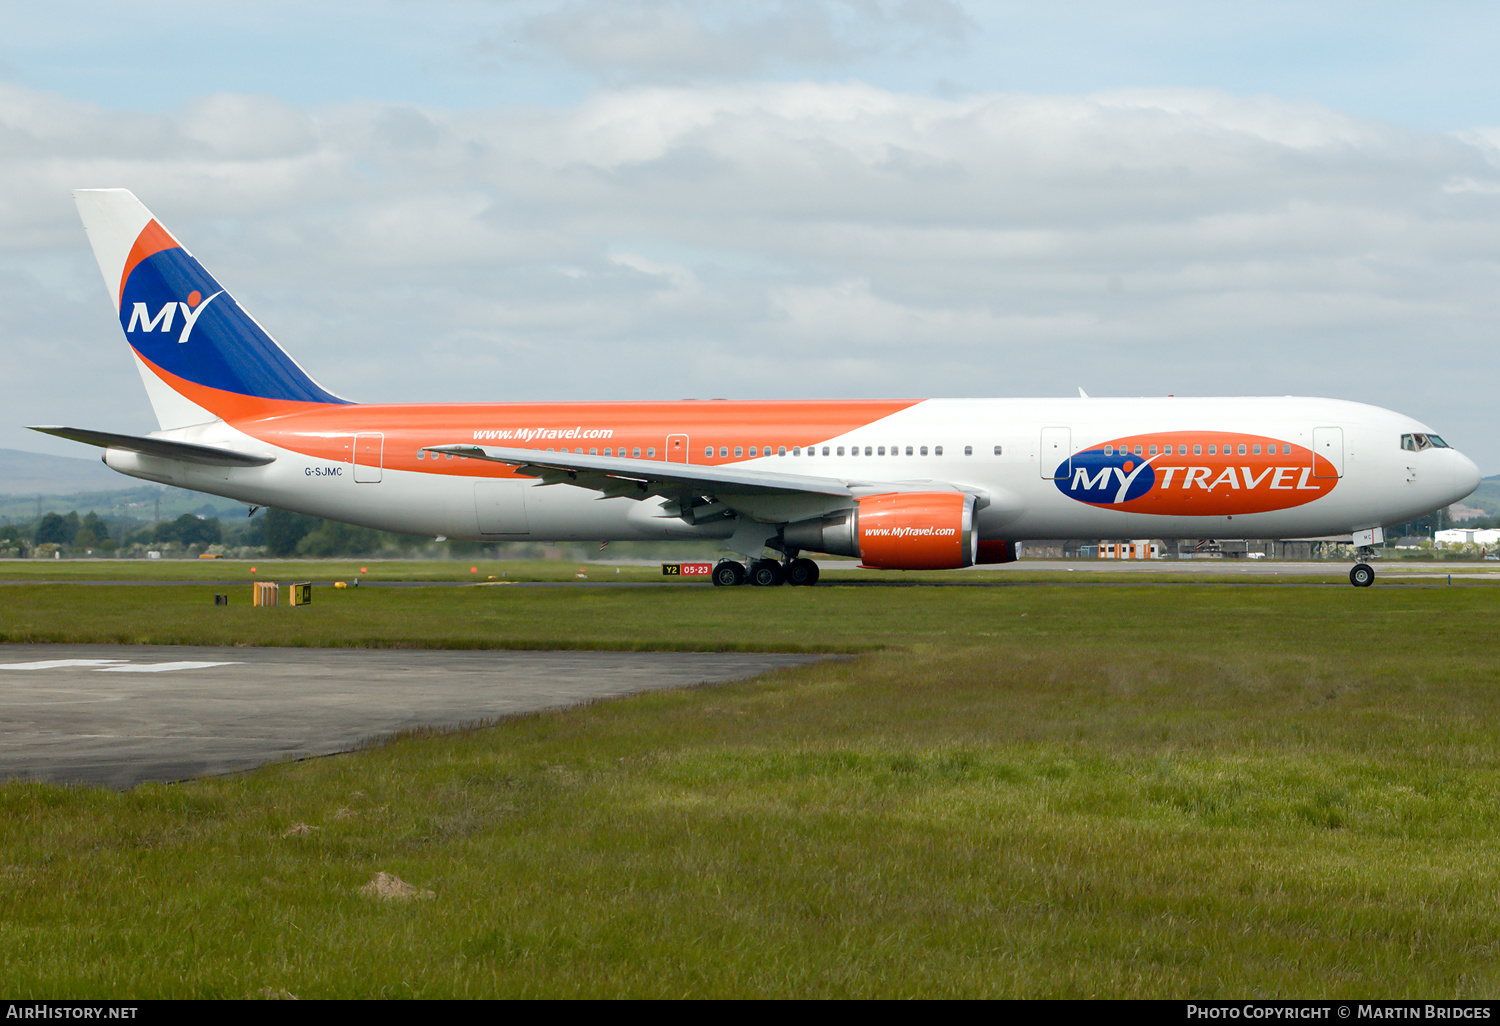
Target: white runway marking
(58, 664)
(158, 667)
(111, 665)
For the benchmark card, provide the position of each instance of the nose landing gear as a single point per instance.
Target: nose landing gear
(1363, 574)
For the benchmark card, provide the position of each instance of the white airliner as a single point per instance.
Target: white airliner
(901, 484)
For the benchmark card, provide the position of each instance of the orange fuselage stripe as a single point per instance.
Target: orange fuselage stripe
(326, 431)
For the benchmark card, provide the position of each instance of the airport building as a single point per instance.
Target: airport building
(1467, 536)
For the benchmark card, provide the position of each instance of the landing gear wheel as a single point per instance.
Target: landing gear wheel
(1362, 576)
(802, 571)
(728, 574)
(766, 573)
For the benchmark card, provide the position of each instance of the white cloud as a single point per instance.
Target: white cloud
(781, 239)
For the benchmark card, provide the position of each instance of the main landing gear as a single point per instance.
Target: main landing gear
(765, 573)
(1363, 574)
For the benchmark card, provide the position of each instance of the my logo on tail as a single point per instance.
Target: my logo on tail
(141, 319)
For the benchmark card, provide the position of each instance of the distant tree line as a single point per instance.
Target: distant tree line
(275, 532)
(279, 533)
(94, 533)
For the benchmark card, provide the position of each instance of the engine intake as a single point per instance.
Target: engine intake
(897, 531)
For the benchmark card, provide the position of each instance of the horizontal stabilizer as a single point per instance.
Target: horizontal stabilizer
(187, 452)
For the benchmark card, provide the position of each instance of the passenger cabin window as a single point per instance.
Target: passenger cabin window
(908, 450)
(781, 451)
(924, 450)
(997, 450)
(937, 450)
(651, 452)
(968, 450)
(739, 450)
(636, 452)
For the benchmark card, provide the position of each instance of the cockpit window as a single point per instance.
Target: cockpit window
(1418, 442)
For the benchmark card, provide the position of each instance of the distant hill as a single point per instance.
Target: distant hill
(1486, 496)
(31, 473)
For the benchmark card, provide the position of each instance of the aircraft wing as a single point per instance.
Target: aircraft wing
(188, 452)
(699, 492)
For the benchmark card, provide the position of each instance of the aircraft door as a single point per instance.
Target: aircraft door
(369, 457)
(677, 449)
(1328, 442)
(1056, 459)
(500, 507)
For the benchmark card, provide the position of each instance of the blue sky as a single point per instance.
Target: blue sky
(663, 198)
(1426, 65)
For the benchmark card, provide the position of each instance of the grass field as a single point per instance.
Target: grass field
(1263, 790)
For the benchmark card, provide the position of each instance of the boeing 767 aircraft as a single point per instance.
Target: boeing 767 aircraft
(902, 484)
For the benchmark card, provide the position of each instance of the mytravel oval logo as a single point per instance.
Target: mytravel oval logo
(1196, 474)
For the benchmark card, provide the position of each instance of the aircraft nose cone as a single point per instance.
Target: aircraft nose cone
(1466, 476)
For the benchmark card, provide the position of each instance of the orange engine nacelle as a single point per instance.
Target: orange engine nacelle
(897, 531)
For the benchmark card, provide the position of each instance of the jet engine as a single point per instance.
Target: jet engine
(896, 531)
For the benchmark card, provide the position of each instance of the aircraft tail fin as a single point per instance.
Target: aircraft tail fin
(200, 354)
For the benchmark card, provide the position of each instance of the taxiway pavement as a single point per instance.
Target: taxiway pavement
(122, 715)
